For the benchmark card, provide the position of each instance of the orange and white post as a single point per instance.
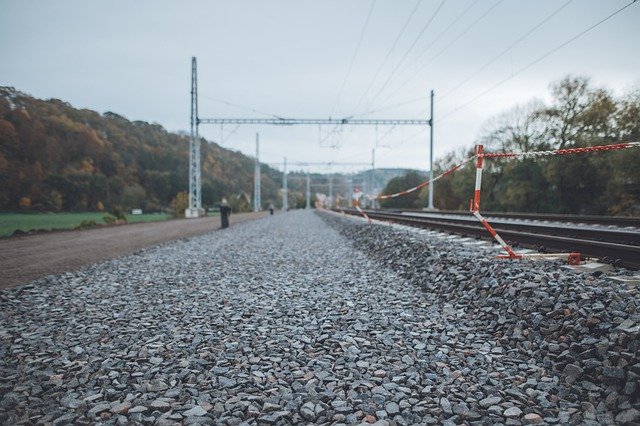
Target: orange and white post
(572, 258)
(475, 204)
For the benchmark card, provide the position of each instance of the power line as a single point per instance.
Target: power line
(384, 61)
(455, 21)
(507, 49)
(445, 48)
(423, 98)
(223, 140)
(222, 101)
(544, 56)
(417, 58)
(399, 64)
(353, 58)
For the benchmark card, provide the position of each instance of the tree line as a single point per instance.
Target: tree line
(579, 115)
(54, 157)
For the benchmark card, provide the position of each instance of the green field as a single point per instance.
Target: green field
(10, 222)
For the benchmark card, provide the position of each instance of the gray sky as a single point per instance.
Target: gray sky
(313, 60)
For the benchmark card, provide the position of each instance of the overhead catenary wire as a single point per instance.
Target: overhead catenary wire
(406, 54)
(507, 49)
(222, 101)
(386, 58)
(536, 61)
(353, 57)
(443, 32)
(433, 58)
(440, 52)
(223, 140)
(418, 56)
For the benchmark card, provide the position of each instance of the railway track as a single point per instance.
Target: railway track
(620, 247)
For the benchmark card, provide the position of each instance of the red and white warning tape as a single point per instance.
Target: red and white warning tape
(422, 185)
(611, 147)
(363, 213)
(480, 155)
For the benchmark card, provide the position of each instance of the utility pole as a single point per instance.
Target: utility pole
(195, 206)
(350, 194)
(308, 191)
(257, 203)
(285, 195)
(373, 177)
(431, 156)
(330, 191)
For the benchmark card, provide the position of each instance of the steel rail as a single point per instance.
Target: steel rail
(598, 243)
(590, 219)
(571, 230)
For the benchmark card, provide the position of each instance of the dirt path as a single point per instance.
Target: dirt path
(23, 259)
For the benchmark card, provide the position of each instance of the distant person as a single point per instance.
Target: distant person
(225, 212)
(271, 209)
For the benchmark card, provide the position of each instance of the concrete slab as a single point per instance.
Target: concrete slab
(589, 267)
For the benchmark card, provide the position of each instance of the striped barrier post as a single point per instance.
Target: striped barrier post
(475, 204)
(363, 213)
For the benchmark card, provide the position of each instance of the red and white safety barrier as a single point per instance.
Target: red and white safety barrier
(422, 185)
(363, 213)
(475, 203)
(480, 155)
(567, 151)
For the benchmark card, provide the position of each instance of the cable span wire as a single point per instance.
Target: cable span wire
(534, 62)
(423, 98)
(222, 101)
(353, 58)
(406, 54)
(417, 58)
(455, 21)
(230, 134)
(507, 49)
(445, 48)
(384, 61)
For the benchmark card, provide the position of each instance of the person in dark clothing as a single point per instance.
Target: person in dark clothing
(225, 212)
(271, 209)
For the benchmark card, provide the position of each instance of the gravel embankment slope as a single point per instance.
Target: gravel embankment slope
(563, 345)
(280, 320)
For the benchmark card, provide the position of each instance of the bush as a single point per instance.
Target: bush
(86, 224)
(179, 204)
(119, 212)
(110, 219)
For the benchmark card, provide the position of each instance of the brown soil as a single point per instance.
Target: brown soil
(25, 258)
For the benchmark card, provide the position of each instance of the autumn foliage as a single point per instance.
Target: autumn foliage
(54, 157)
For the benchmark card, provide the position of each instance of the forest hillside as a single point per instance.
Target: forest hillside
(54, 157)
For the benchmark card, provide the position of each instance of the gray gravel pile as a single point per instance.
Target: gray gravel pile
(281, 321)
(563, 345)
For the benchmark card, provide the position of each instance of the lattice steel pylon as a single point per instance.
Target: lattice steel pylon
(195, 203)
(195, 206)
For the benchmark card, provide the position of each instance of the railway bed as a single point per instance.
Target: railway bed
(621, 247)
(303, 318)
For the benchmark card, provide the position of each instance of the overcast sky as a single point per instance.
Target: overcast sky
(315, 60)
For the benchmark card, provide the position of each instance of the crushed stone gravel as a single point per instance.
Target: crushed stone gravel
(282, 320)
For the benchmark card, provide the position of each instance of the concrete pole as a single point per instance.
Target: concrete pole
(431, 156)
(257, 202)
(330, 191)
(350, 194)
(285, 192)
(308, 191)
(373, 178)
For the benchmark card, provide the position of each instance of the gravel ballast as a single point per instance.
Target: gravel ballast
(281, 320)
(563, 346)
